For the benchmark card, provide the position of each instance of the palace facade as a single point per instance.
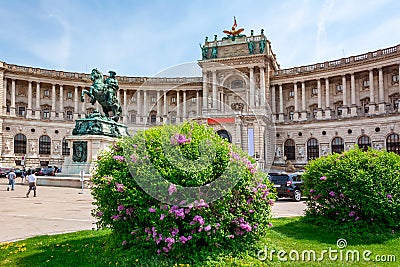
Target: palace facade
(276, 115)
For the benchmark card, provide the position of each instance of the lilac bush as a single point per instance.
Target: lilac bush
(356, 191)
(176, 219)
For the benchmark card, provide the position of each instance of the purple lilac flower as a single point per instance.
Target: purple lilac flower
(115, 217)
(357, 218)
(341, 195)
(198, 219)
(207, 228)
(270, 224)
(129, 211)
(121, 207)
(119, 158)
(332, 194)
(99, 214)
(179, 139)
(271, 202)
(312, 191)
(352, 213)
(171, 189)
(120, 187)
(389, 196)
(323, 178)
(133, 158)
(246, 226)
(152, 210)
(162, 216)
(231, 236)
(174, 231)
(124, 243)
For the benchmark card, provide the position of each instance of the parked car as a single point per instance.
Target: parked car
(18, 172)
(287, 185)
(4, 171)
(45, 171)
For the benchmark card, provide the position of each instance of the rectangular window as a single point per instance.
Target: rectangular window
(173, 99)
(395, 78)
(46, 93)
(46, 114)
(21, 111)
(250, 142)
(291, 94)
(291, 114)
(315, 91)
(366, 83)
(339, 88)
(193, 100)
(69, 95)
(69, 115)
(153, 99)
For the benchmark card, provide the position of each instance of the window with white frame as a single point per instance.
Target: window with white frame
(395, 79)
(314, 91)
(339, 88)
(46, 113)
(366, 83)
(46, 92)
(173, 100)
(69, 115)
(21, 111)
(153, 99)
(69, 95)
(291, 93)
(193, 100)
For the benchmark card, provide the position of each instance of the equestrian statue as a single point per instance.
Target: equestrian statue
(104, 92)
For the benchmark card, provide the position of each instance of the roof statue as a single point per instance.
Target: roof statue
(234, 32)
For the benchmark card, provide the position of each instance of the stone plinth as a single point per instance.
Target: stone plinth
(95, 144)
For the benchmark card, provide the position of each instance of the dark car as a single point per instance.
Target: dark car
(45, 171)
(4, 171)
(19, 172)
(286, 185)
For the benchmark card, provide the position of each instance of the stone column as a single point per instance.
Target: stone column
(303, 101)
(344, 91)
(252, 89)
(205, 91)
(12, 107)
(214, 90)
(398, 106)
(165, 106)
(139, 106)
(125, 108)
(273, 99)
(319, 104)
(327, 100)
(61, 111)
(37, 108)
(281, 117)
(158, 103)
(76, 112)
(262, 87)
(29, 109)
(178, 108)
(53, 102)
(5, 96)
(381, 93)
(83, 104)
(296, 103)
(197, 103)
(145, 111)
(184, 105)
(371, 109)
(353, 109)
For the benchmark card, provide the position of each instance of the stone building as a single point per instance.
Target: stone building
(276, 115)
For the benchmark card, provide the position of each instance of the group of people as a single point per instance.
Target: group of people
(31, 179)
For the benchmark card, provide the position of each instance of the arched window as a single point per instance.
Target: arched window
(237, 84)
(337, 145)
(312, 149)
(364, 142)
(44, 145)
(20, 144)
(65, 148)
(393, 143)
(289, 149)
(225, 134)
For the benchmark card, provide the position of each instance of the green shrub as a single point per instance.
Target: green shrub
(354, 191)
(171, 186)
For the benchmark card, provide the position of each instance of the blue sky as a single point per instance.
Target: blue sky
(142, 38)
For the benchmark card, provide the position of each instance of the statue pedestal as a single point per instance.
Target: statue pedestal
(84, 152)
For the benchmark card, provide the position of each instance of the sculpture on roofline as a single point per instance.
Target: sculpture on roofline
(232, 34)
(104, 92)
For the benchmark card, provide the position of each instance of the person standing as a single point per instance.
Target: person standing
(11, 180)
(32, 183)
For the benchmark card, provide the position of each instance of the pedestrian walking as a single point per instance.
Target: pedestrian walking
(32, 183)
(11, 180)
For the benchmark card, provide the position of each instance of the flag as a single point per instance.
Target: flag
(234, 22)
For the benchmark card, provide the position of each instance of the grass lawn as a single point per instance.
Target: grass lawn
(94, 248)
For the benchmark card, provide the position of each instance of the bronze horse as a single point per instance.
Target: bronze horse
(105, 94)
